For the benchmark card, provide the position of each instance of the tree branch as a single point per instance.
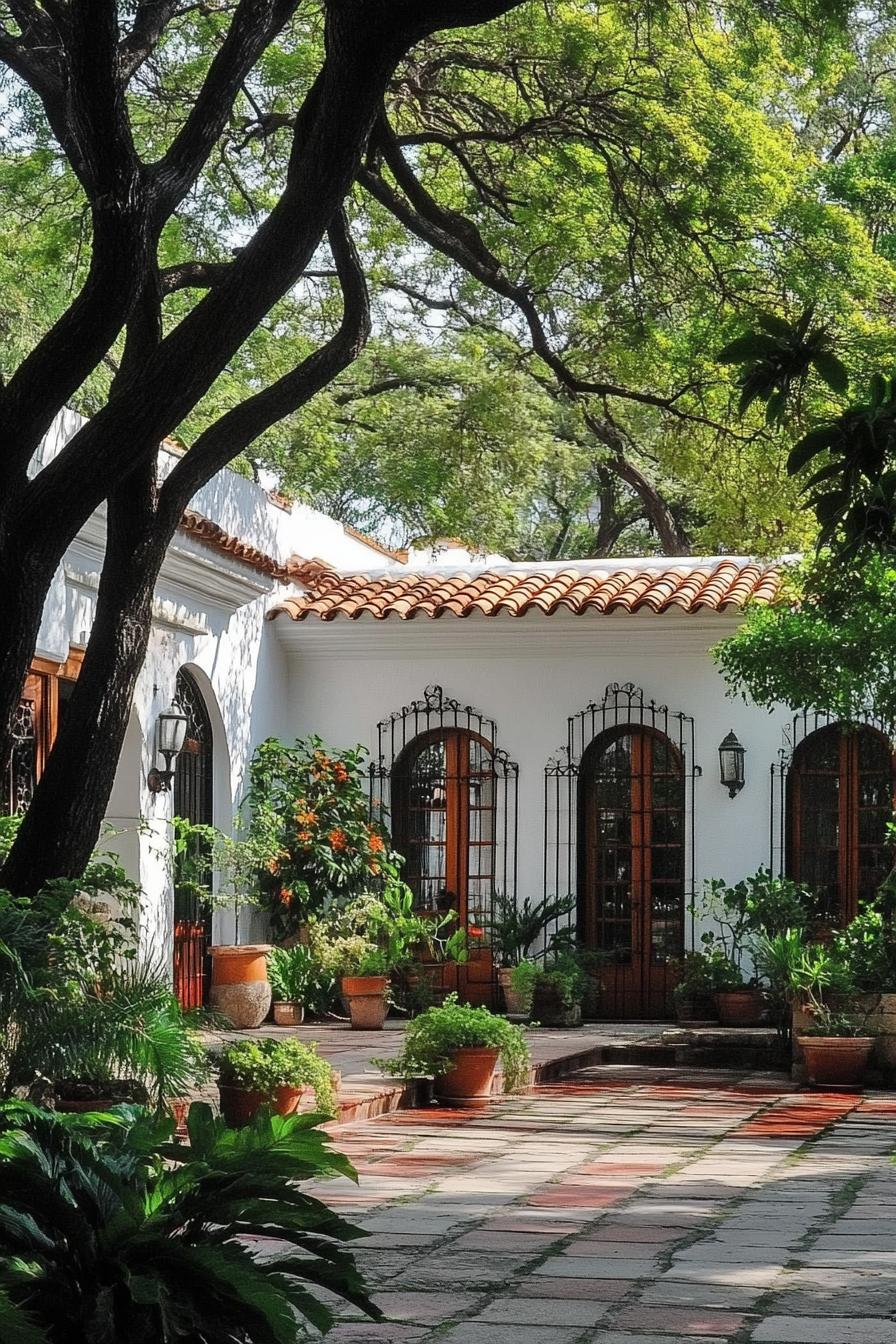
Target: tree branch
(193, 275)
(235, 430)
(150, 21)
(254, 25)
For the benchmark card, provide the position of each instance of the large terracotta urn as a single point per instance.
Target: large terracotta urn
(240, 990)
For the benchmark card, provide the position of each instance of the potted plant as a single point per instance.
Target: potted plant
(222, 872)
(291, 974)
(558, 990)
(310, 815)
(459, 1047)
(519, 990)
(514, 930)
(836, 1049)
(272, 1073)
(867, 947)
(694, 995)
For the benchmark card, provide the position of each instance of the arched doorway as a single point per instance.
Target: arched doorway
(193, 800)
(632, 866)
(840, 799)
(448, 794)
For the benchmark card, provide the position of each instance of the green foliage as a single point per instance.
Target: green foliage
(867, 945)
(561, 980)
(378, 933)
(292, 973)
(264, 1065)
(75, 1002)
(431, 1037)
(514, 929)
(109, 1232)
(829, 647)
(523, 978)
(702, 974)
(221, 872)
(310, 812)
(777, 360)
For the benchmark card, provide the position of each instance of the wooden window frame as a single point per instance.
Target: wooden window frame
(848, 810)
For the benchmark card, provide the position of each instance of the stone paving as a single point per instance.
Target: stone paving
(629, 1206)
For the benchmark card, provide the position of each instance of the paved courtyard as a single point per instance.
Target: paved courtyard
(629, 1206)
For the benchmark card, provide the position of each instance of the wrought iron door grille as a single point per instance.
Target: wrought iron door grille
(21, 775)
(193, 800)
(832, 797)
(619, 837)
(448, 792)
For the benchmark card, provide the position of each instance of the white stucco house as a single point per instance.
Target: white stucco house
(543, 728)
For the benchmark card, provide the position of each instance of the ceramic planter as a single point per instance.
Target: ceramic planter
(468, 1085)
(288, 1013)
(239, 1105)
(517, 1004)
(239, 988)
(365, 996)
(698, 1009)
(740, 1007)
(550, 1009)
(836, 1061)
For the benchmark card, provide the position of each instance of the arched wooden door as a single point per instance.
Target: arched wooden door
(444, 802)
(193, 800)
(632, 867)
(840, 799)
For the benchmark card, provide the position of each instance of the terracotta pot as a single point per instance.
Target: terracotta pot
(740, 1007)
(877, 1012)
(468, 1084)
(836, 1061)
(700, 1008)
(288, 1013)
(239, 1105)
(239, 988)
(366, 999)
(516, 1003)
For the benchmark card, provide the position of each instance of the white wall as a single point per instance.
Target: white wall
(529, 674)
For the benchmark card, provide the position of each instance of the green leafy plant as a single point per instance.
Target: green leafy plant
(514, 929)
(867, 946)
(702, 974)
(264, 1065)
(78, 1010)
(805, 973)
(523, 977)
(109, 1232)
(220, 872)
(310, 813)
(431, 1038)
(292, 973)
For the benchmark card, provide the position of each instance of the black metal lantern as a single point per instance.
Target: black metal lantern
(171, 730)
(731, 764)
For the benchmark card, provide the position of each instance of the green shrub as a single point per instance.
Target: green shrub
(111, 1234)
(431, 1037)
(264, 1064)
(292, 973)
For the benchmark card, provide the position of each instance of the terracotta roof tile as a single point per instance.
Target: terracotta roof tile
(629, 586)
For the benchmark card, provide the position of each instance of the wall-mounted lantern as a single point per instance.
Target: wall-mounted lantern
(731, 764)
(171, 730)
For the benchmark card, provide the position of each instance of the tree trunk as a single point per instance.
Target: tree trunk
(61, 826)
(24, 588)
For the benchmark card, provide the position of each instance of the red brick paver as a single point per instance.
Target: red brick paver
(629, 1206)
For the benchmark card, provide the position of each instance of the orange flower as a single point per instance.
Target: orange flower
(306, 817)
(340, 773)
(338, 838)
(374, 867)
(377, 844)
(285, 896)
(304, 837)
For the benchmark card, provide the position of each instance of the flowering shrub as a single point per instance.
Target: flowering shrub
(310, 811)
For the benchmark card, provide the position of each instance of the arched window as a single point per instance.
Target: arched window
(443, 807)
(840, 797)
(632, 863)
(448, 793)
(193, 800)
